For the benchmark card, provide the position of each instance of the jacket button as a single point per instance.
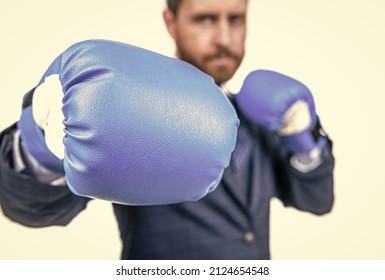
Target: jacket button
(249, 237)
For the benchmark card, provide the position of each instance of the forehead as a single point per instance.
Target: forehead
(213, 6)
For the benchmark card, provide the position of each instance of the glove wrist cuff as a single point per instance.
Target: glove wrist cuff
(306, 140)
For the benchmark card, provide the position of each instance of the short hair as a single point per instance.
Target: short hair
(173, 5)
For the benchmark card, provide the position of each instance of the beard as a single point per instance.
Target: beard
(220, 73)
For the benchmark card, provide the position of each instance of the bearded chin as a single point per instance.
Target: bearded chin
(222, 75)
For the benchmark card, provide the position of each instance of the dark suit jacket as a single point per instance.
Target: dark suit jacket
(232, 222)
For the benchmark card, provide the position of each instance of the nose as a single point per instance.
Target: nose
(223, 33)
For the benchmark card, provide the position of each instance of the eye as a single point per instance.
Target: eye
(237, 19)
(204, 19)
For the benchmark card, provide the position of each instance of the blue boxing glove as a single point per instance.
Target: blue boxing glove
(140, 128)
(282, 105)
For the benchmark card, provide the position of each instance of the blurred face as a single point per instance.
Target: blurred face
(210, 34)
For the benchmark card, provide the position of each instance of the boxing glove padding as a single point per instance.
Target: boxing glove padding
(141, 128)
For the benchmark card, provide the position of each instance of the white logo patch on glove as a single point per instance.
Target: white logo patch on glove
(48, 115)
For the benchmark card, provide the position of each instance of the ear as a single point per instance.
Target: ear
(169, 19)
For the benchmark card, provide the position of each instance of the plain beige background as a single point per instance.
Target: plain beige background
(336, 47)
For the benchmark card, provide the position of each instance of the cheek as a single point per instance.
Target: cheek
(197, 43)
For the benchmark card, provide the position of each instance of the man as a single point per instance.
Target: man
(231, 222)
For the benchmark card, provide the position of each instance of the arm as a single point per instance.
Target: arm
(25, 199)
(310, 191)
(302, 152)
(120, 122)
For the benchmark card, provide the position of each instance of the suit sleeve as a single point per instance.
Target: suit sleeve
(307, 191)
(27, 201)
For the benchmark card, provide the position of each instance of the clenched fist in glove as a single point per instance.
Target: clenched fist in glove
(139, 128)
(283, 105)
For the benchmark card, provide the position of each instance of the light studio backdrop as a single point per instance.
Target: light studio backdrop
(335, 47)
